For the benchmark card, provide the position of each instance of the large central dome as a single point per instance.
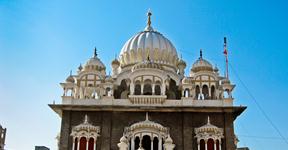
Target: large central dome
(148, 43)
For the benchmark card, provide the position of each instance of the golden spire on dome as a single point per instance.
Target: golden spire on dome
(149, 27)
(149, 14)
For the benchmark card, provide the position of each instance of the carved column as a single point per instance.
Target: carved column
(73, 146)
(87, 143)
(206, 146)
(160, 143)
(95, 144)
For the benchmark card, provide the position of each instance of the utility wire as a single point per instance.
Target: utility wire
(261, 137)
(258, 105)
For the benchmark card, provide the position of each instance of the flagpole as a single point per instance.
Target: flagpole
(226, 57)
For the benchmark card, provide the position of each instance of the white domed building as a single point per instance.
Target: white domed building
(106, 112)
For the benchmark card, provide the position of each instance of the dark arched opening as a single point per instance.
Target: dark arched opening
(197, 92)
(202, 144)
(137, 89)
(121, 91)
(146, 142)
(83, 142)
(155, 143)
(147, 87)
(137, 142)
(210, 144)
(157, 90)
(213, 92)
(173, 92)
(205, 91)
(75, 143)
(91, 144)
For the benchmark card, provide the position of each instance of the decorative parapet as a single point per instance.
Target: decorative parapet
(147, 99)
(140, 101)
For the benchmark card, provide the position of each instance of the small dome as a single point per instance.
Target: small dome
(148, 42)
(115, 62)
(202, 65)
(148, 124)
(208, 128)
(70, 79)
(181, 62)
(94, 63)
(86, 126)
(147, 64)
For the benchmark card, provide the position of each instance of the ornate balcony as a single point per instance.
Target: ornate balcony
(147, 99)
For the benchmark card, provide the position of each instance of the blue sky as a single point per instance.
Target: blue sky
(41, 41)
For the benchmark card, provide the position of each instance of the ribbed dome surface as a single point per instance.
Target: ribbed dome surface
(202, 65)
(148, 42)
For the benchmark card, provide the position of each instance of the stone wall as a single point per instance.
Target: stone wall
(181, 126)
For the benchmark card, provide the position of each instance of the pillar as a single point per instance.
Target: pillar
(87, 143)
(73, 146)
(95, 143)
(206, 146)
(132, 143)
(132, 88)
(151, 144)
(198, 144)
(160, 143)
(78, 144)
(220, 145)
(163, 89)
(153, 89)
(142, 88)
(215, 144)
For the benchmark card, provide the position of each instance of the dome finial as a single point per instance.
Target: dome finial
(208, 120)
(86, 118)
(201, 55)
(148, 27)
(70, 72)
(147, 117)
(95, 53)
(149, 14)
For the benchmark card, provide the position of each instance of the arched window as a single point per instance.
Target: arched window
(186, 93)
(137, 143)
(155, 143)
(83, 142)
(95, 95)
(210, 144)
(108, 91)
(137, 88)
(157, 89)
(75, 144)
(213, 92)
(69, 92)
(147, 87)
(173, 92)
(202, 144)
(217, 145)
(226, 93)
(146, 142)
(197, 92)
(205, 91)
(91, 144)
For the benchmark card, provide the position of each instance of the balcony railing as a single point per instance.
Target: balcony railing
(147, 99)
